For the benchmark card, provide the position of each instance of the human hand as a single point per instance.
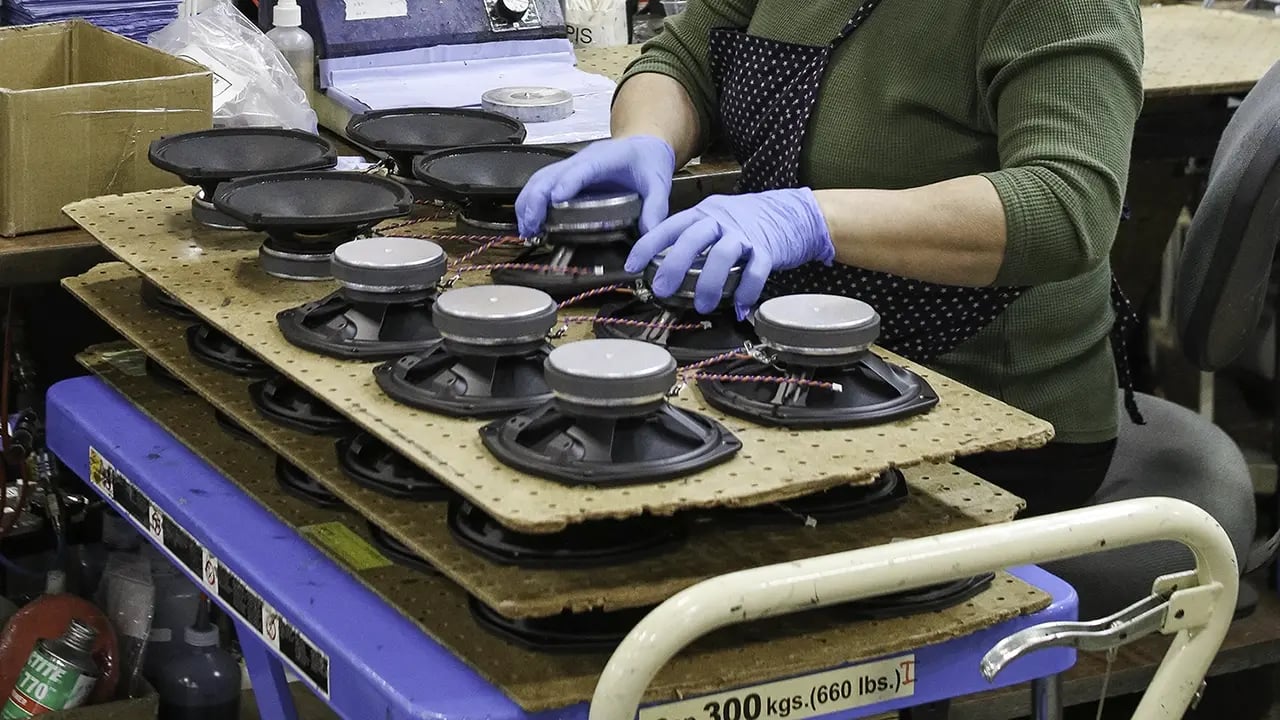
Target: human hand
(768, 231)
(640, 163)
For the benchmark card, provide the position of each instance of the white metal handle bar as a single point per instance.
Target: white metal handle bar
(787, 588)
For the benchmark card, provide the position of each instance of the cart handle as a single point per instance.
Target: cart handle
(792, 587)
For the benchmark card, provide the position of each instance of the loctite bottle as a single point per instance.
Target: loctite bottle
(59, 675)
(47, 617)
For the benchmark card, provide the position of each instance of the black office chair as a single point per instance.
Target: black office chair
(1220, 290)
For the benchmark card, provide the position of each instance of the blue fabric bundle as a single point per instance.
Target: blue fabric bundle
(134, 19)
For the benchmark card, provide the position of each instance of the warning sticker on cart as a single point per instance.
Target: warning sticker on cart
(102, 474)
(271, 626)
(209, 572)
(155, 524)
(798, 698)
(235, 595)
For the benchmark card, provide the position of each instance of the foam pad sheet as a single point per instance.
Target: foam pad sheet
(944, 498)
(1190, 50)
(231, 292)
(737, 656)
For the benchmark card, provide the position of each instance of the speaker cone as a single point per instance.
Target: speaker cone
(286, 403)
(298, 484)
(306, 215)
(369, 462)
(216, 349)
(208, 158)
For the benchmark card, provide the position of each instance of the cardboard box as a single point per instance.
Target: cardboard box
(79, 107)
(146, 707)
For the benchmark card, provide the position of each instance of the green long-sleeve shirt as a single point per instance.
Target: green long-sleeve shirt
(1039, 97)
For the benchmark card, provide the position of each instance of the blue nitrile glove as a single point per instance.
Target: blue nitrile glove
(768, 231)
(642, 163)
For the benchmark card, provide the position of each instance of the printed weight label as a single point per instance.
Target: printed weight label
(798, 698)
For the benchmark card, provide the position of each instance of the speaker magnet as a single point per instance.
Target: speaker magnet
(529, 104)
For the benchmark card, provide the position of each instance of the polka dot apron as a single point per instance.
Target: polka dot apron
(767, 92)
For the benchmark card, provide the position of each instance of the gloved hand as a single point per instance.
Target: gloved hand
(641, 163)
(768, 231)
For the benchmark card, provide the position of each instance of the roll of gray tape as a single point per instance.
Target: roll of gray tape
(529, 104)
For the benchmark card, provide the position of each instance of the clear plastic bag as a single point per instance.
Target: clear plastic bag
(128, 597)
(252, 83)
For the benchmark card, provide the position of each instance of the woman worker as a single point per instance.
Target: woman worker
(958, 165)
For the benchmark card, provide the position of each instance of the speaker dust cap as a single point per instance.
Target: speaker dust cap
(494, 315)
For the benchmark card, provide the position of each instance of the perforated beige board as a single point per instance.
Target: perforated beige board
(944, 497)
(610, 62)
(231, 292)
(1191, 50)
(537, 681)
(173, 236)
